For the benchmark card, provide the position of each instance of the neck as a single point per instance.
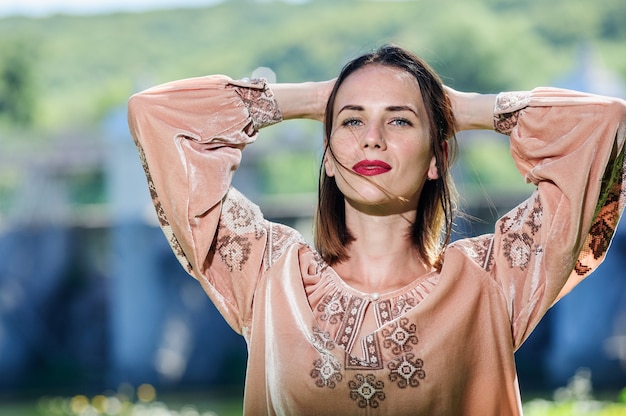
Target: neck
(382, 257)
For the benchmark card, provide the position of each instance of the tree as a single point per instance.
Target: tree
(17, 99)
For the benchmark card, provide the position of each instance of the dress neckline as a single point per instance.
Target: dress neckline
(378, 295)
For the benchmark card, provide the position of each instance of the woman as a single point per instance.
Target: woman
(383, 314)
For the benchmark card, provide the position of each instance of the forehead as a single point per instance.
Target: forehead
(380, 84)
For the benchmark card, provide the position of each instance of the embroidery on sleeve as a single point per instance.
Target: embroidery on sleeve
(240, 222)
(504, 123)
(260, 103)
(241, 217)
(234, 251)
(610, 204)
(518, 230)
(506, 112)
(163, 222)
(479, 249)
(281, 239)
(518, 249)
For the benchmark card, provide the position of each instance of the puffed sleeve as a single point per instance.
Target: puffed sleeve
(190, 135)
(570, 145)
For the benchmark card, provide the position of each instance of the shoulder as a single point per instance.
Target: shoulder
(281, 239)
(477, 250)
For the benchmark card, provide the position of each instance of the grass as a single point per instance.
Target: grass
(572, 400)
(128, 401)
(576, 399)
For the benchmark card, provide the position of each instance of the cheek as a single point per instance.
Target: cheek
(419, 152)
(418, 164)
(345, 151)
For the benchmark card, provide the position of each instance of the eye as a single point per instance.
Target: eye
(401, 122)
(351, 122)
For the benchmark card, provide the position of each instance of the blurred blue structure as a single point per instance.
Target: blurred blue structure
(163, 328)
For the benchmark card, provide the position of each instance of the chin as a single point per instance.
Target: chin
(382, 204)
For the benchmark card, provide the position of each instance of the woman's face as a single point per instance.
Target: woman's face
(380, 141)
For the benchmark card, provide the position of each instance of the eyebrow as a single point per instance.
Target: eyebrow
(393, 108)
(401, 108)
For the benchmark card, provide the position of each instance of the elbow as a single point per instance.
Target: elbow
(138, 114)
(616, 109)
(136, 106)
(131, 114)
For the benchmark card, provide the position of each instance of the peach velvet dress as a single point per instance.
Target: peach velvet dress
(443, 345)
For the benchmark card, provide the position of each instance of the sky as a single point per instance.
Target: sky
(42, 8)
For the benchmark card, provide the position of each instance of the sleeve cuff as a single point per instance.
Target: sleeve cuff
(506, 109)
(259, 100)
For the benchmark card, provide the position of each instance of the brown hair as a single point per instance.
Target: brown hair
(432, 229)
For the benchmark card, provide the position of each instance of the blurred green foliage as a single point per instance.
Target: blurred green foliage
(78, 67)
(289, 165)
(69, 72)
(17, 94)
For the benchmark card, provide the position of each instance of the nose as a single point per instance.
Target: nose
(373, 138)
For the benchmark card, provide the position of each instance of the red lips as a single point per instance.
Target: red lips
(371, 167)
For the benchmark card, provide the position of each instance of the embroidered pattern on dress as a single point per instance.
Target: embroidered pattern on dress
(234, 250)
(504, 123)
(610, 204)
(404, 304)
(383, 312)
(407, 371)
(238, 223)
(479, 249)
(600, 234)
(366, 390)
(241, 217)
(517, 240)
(511, 101)
(326, 369)
(333, 307)
(399, 336)
(582, 269)
(160, 212)
(260, 103)
(518, 249)
(535, 218)
(351, 323)
(347, 312)
(387, 311)
(506, 112)
(282, 237)
(372, 360)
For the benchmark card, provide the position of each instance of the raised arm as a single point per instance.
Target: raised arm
(190, 135)
(571, 146)
(472, 111)
(303, 100)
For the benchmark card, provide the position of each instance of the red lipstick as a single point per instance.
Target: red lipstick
(371, 167)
